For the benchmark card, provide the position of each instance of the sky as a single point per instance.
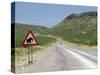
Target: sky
(46, 14)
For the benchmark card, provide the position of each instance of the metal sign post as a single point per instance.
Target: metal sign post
(30, 55)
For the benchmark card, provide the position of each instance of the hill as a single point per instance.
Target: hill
(20, 28)
(78, 28)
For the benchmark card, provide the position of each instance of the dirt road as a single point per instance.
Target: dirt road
(60, 57)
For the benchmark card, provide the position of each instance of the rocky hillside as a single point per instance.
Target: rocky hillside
(78, 28)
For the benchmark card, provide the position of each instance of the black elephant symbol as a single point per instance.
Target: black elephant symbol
(30, 40)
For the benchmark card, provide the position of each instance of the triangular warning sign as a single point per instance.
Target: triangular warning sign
(30, 40)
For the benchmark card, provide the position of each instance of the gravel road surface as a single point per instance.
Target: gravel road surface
(61, 57)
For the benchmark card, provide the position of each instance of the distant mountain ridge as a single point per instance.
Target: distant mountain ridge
(82, 14)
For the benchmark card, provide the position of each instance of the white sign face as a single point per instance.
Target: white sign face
(30, 39)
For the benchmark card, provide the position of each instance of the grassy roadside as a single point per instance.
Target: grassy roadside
(85, 48)
(21, 55)
(79, 44)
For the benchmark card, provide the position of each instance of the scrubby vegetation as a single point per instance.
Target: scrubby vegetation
(78, 28)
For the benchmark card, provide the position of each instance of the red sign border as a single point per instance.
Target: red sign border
(26, 45)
